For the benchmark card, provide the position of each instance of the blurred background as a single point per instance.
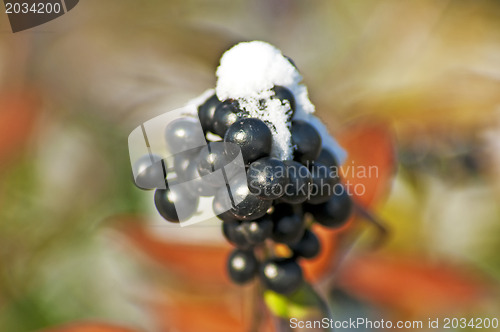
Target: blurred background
(412, 87)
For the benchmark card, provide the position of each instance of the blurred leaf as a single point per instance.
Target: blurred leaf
(371, 160)
(304, 302)
(90, 327)
(18, 113)
(196, 263)
(413, 285)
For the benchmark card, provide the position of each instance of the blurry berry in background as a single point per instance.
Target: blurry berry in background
(175, 203)
(206, 113)
(282, 276)
(284, 95)
(335, 212)
(307, 142)
(308, 246)
(253, 136)
(288, 229)
(247, 205)
(267, 178)
(225, 115)
(299, 182)
(257, 231)
(235, 234)
(242, 266)
(323, 183)
(149, 171)
(183, 134)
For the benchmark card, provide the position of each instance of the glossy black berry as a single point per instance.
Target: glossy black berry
(307, 142)
(299, 182)
(234, 233)
(282, 276)
(285, 95)
(308, 246)
(257, 231)
(335, 212)
(267, 178)
(253, 137)
(323, 183)
(211, 159)
(225, 115)
(175, 203)
(242, 266)
(288, 229)
(206, 113)
(149, 172)
(183, 134)
(247, 206)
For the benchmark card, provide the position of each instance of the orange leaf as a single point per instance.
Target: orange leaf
(18, 110)
(411, 284)
(90, 327)
(369, 146)
(370, 163)
(191, 261)
(210, 316)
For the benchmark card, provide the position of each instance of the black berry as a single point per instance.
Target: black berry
(242, 266)
(235, 233)
(335, 212)
(221, 205)
(288, 229)
(267, 178)
(183, 134)
(308, 246)
(306, 140)
(211, 159)
(247, 206)
(253, 137)
(206, 113)
(257, 231)
(323, 183)
(282, 276)
(150, 172)
(299, 183)
(225, 115)
(328, 159)
(196, 183)
(175, 203)
(182, 160)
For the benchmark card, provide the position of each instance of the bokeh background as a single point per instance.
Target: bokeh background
(412, 87)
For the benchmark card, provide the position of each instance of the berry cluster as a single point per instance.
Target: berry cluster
(265, 213)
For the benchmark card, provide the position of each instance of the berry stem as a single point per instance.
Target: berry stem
(257, 307)
(383, 231)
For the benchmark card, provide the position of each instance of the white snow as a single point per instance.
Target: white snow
(247, 72)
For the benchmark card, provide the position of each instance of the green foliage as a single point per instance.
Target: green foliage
(304, 302)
